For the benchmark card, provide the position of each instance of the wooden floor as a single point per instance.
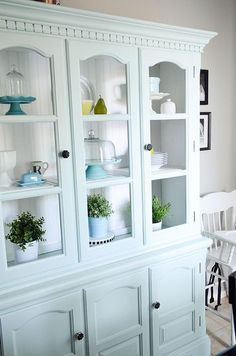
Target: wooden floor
(218, 329)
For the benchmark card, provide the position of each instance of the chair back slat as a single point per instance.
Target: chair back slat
(225, 215)
(219, 222)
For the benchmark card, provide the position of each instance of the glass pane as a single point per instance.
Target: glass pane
(168, 137)
(107, 154)
(45, 206)
(33, 147)
(170, 84)
(119, 222)
(36, 79)
(104, 76)
(172, 191)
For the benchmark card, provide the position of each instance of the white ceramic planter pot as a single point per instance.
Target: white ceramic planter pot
(30, 253)
(156, 226)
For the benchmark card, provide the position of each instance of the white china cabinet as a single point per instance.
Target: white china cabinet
(134, 291)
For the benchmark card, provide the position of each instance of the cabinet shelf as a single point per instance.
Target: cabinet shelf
(41, 256)
(107, 117)
(15, 192)
(168, 172)
(106, 182)
(14, 119)
(116, 239)
(180, 116)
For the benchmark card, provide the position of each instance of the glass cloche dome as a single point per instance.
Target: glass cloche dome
(15, 87)
(14, 82)
(98, 153)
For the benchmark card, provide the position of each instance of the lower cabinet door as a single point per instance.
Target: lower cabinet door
(118, 316)
(53, 328)
(178, 314)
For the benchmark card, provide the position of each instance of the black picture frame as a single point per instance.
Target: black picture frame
(205, 131)
(204, 75)
(54, 2)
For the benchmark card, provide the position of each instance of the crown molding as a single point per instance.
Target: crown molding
(34, 17)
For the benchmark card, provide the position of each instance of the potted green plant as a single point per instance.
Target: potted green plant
(159, 212)
(99, 209)
(24, 232)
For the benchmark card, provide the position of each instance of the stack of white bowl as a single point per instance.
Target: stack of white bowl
(159, 159)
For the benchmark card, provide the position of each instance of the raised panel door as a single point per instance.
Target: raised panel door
(118, 316)
(46, 329)
(178, 317)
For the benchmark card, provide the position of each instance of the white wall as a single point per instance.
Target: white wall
(218, 166)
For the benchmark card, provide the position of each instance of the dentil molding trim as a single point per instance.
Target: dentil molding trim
(33, 17)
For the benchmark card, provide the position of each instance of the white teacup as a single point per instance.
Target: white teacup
(39, 167)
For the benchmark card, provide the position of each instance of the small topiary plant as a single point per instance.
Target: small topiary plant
(25, 229)
(159, 211)
(98, 206)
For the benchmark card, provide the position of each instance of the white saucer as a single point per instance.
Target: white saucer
(93, 242)
(158, 96)
(21, 184)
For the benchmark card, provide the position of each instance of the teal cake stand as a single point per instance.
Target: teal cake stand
(15, 102)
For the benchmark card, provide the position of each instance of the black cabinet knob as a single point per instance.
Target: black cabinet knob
(65, 154)
(148, 147)
(156, 305)
(79, 336)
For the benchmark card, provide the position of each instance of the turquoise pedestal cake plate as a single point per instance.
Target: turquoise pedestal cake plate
(15, 102)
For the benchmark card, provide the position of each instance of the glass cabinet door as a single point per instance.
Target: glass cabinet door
(106, 144)
(35, 165)
(169, 128)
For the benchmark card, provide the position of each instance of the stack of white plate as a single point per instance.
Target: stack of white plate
(159, 159)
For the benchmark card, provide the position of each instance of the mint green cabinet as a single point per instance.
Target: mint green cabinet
(156, 310)
(68, 59)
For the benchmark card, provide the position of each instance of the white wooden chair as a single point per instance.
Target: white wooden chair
(218, 214)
